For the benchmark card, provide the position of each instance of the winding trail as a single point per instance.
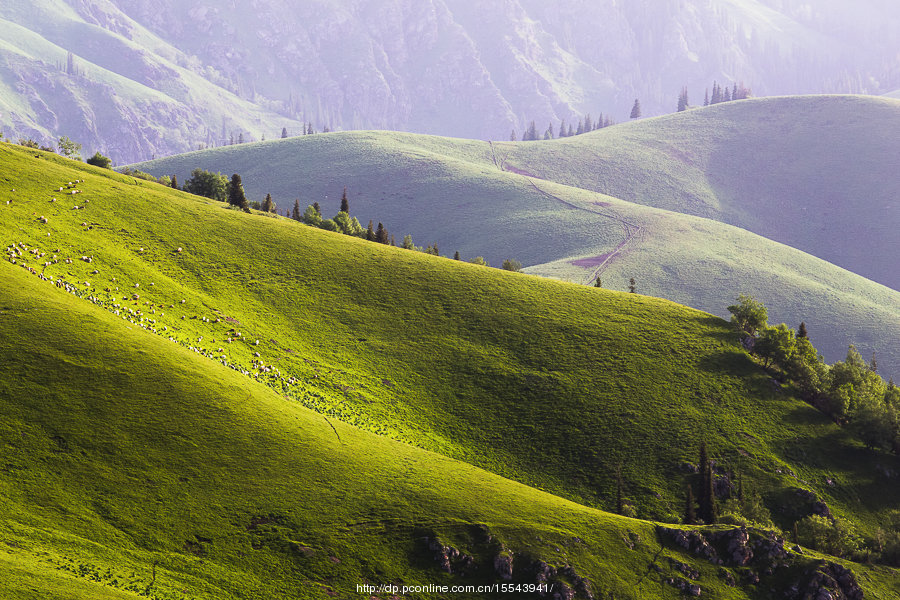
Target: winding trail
(630, 230)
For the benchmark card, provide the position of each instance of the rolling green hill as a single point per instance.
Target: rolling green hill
(141, 428)
(476, 197)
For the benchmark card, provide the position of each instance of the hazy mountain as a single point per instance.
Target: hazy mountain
(155, 77)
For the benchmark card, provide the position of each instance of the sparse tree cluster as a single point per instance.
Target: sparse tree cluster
(585, 124)
(850, 391)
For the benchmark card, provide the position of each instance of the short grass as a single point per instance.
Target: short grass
(131, 448)
(473, 197)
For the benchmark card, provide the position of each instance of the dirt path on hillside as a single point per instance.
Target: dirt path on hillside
(629, 230)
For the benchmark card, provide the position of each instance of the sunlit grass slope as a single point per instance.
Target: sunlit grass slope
(148, 446)
(474, 197)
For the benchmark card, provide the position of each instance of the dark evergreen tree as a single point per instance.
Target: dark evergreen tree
(683, 99)
(873, 364)
(532, 133)
(370, 231)
(512, 136)
(236, 195)
(706, 98)
(703, 466)
(734, 92)
(716, 94)
(456, 255)
(571, 131)
(241, 138)
(801, 331)
(690, 516)
(392, 240)
(318, 208)
(296, 214)
(588, 123)
(550, 135)
(345, 204)
(268, 205)
(598, 283)
(727, 95)
(283, 132)
(631, 286)
(562, 129)
(580, 129)
(636, 109)
(599, 122)
(381, 235)
(174, 182)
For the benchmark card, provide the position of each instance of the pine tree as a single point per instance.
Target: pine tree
(801, 331)
(296, 215)
(268, 205)
(571, 131)
(636, 109)
(236, 195)
(599, 122)
(588, 123)
(532, 132)
(318, 208)
(598, 283)
(408, 242)
(241, 138)
(309, 129)
(716, 94)
(706, 98)
(345, 204)
(727, 94)
(631, 285)
(550, 134)
(283, 132)
(512, 136)
(873, 364)
(456, 255)
(683, 99)
(381, 234)
(690, 517)
(734, 92)
(580, 129)
(392, 240)
(174, 182)
(562, 129)
(370, 232)
(704, 481)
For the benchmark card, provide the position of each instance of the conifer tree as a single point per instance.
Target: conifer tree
(706, 98)
(801, 331)
(690, 517)
(345, 204)
(631, 285)
(318, 208)
(392, 240)
(174, 182)
(636, 109)
(727, 94)
(734, 92)
(236, 195)
(283, 132)
(562, 129)
(381, 234)
(512, 136)
(598, 283)
(550, 134)
(599, 122)
(408, 242)
(571, 131)
(241, 138)
(683, 99)
(588, 123)
(309, 129)
(580, 129)
(456, 255)
(269, 205)
(370, 231)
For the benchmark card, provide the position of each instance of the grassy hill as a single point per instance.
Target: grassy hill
(144, 430)
(813, 172)
(475, 197)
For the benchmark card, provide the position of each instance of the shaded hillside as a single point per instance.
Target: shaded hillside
(817, 173)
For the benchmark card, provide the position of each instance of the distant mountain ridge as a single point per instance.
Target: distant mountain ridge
(161, 77)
